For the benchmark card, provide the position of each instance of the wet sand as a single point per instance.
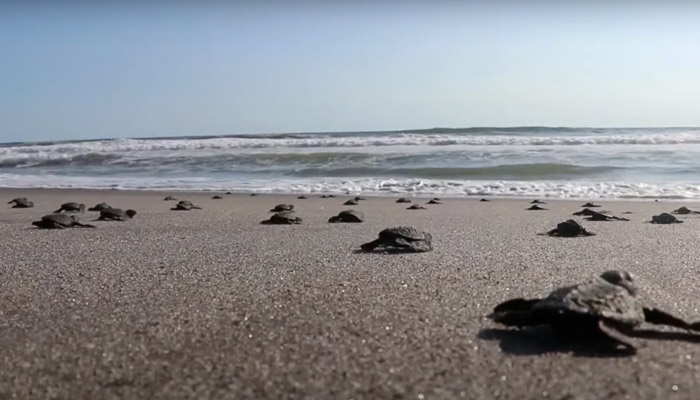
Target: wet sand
(210, 304)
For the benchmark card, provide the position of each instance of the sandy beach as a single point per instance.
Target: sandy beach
(210, 304)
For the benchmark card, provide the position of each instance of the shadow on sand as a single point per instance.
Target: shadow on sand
(541, 340)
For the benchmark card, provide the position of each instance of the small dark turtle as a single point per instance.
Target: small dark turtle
(403, 200)
(590, 205)
(283, 218)
(60, 221)
(302, 197)
(598, 216)
(433, 201)
(604, 217)
(116, 214)
(283, 207)
(537, 202)
(360, 198)
(21, 202)
(185, 205)
(169, 198)
(484, 200)
(605, 307)
(327, 196)
(416, 207)
(351, 202)
(71, 207)
(665, 218)
(569, 228)
(216, 197)
(535, 207)
(627, 212)
(684, 211)
(229, 192)
(348, 216)
(100, 207)
(402, 238)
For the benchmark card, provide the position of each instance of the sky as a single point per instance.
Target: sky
(79, 70)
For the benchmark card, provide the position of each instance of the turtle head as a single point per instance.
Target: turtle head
(620, 278)
(131, 213)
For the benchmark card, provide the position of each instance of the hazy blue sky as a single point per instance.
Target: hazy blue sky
(79, 71)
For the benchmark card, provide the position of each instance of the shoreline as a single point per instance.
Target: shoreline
(343, 195)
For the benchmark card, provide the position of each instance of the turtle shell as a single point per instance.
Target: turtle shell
(596, 298)
(283, 218)
(348, 216)
(351, 202)
(665, 218)
(282, 207)
(100, 207)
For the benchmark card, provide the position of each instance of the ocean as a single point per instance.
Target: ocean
(501, 162)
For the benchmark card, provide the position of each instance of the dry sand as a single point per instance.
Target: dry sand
(210, 304)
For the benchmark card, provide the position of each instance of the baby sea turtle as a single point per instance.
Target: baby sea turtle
(569, 228)
(535, 207)
(433, 201)
(598, 216)
(351, 202)
(71, 207)
(21, 202)
(229, 192)
(283, 218)
(60, 221)
(216, 197)
(403, 200)
(185, 205)
(327, 196)
(170, 198)
(100, 207)
(402, 238)
(684, 211)
(590, 205)
(302, 197)
(537, 202)
(360, 198)
(665, 218)
(283, 207)
(416, 207)
(253, 194)
(348, 216)
(484, 200)
(116, 214)
(605, 307)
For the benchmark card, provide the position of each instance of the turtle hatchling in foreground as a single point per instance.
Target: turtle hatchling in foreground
(283, 218)
(71, 207)
(604, 308)
(401, 238)
(348, 216)
(665, 218)
(116, 214)
(21, 202)
(569, 228)
(60, 221)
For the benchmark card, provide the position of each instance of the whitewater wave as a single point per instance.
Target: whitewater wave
(561, 189)
(152, 145)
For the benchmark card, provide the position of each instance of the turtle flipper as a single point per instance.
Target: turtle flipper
(58, 211)
(613, 333)
(658, 317)
(519, 304)
(369, 246)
